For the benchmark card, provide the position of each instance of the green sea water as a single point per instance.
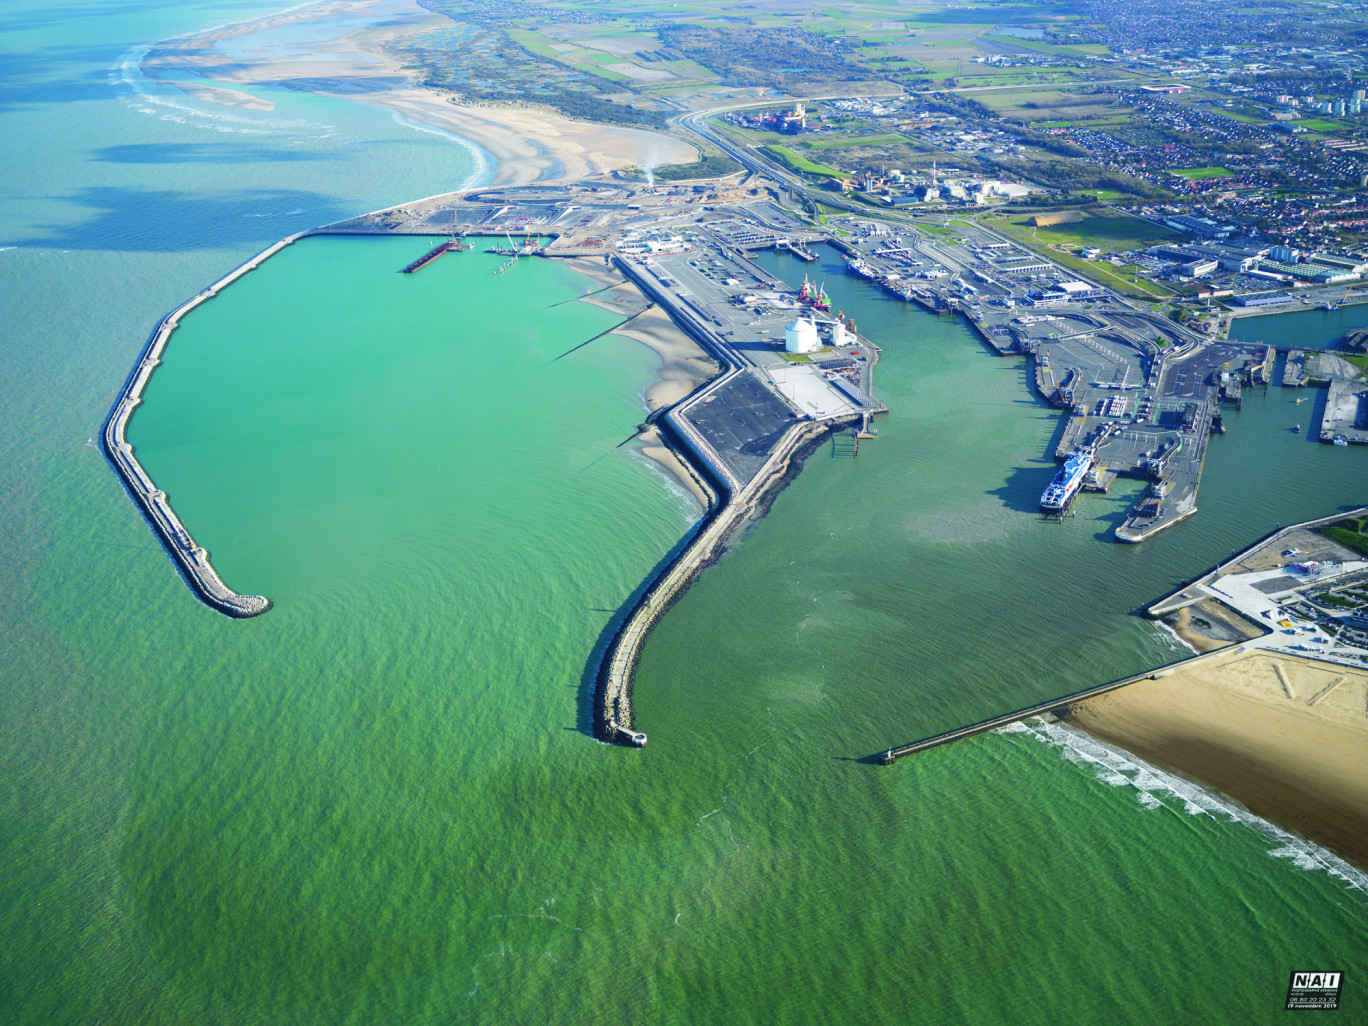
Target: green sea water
(379, 802)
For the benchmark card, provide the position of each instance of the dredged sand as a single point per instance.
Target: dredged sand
(1286, 737)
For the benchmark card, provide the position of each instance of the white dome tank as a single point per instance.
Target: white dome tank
(801, 337)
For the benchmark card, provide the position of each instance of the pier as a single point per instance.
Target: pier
(735, 497)
(1187, 595)
(1056, 707)
(450, 246)
(192, 559)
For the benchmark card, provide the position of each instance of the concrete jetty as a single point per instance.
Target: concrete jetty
(1188, 595)
(1055, 706)
(1345, 421)
(192, 559)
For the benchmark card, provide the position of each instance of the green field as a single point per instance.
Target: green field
(1201, 172)
(1318, 125)
(1113, 233)
(800, 164)
(858, 140)
(1352, 534)
(1117, 233)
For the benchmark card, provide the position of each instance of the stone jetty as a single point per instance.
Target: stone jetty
(192, 559)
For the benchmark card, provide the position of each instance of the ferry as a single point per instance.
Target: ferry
(1067, 482)
(859, 267)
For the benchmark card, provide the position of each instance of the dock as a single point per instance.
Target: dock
(1232, 393)
(797, 249)
(1294, 371)
(1345, 421)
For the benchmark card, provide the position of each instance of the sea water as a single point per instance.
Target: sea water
(379, 802)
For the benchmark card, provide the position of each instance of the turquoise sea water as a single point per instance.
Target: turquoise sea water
(378, 803)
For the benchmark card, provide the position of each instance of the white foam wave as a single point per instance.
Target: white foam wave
(485, 163)
(1118, 768)
(683, 500)
(152, 97)
(1173, 638)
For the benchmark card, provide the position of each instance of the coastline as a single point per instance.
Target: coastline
(684, 368)
(526, 144)
(1287, 738)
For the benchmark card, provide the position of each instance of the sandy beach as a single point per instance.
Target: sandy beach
(683, 363)
(528, 144)
(684, 366)
(1284, 736)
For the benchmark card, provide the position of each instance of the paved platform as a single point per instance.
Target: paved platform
(743, 421)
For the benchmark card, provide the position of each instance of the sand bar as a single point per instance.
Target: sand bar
(684, 365)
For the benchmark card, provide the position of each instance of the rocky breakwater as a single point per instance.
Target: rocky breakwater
(738, 502)
(192, 559)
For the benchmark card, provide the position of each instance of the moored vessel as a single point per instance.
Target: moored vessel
(1067, 482)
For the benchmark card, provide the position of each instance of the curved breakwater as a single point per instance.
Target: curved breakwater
(613, 716)
(733, 503)
(192, 559)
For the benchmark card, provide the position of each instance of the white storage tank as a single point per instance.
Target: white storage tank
(838, 333)
(801, 337)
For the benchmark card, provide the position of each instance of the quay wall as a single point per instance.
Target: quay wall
(1182, 597)
(192, 560)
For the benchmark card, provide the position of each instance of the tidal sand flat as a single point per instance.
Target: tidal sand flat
(338, 49)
